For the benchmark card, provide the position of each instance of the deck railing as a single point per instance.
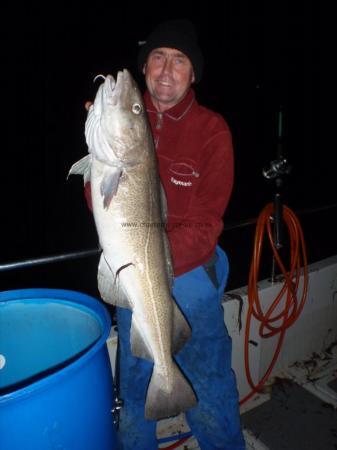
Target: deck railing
(15, 265)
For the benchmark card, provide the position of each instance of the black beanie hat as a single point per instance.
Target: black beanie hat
(179, 34)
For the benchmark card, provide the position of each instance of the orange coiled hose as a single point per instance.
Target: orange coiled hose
(273, 323)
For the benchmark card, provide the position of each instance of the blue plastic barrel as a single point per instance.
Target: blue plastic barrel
(56, 389)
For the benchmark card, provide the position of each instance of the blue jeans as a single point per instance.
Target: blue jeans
(205, 360)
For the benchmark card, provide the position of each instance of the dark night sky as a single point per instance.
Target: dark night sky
(257, 57)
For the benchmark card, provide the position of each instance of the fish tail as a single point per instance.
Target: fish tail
(168, 399)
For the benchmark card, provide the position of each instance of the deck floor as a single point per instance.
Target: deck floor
(293, 419)
(301, 414)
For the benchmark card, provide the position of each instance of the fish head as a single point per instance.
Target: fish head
(117, 130)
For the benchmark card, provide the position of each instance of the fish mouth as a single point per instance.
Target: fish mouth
(114, 89)
(110, 90)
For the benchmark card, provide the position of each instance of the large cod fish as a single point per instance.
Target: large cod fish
(135, 267)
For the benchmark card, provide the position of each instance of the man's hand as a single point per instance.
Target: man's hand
(87, 105)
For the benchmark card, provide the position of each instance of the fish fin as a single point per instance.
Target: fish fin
(139, 347)
(168, 260)
(109, 185)
(167, 249)
(165, 401)
(181, 330)
(82, 167)
(109, 287)
(163, 203)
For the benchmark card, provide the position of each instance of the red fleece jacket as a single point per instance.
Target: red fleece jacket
(195, 155)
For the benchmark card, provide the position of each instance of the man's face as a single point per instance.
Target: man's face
(168, 75)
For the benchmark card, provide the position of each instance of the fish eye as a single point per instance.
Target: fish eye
(136, 108)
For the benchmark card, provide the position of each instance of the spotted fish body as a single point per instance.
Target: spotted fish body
(135, 267)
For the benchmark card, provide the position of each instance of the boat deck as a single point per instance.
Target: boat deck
(298, 413)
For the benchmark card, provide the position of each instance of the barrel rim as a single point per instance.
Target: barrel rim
(69, 296)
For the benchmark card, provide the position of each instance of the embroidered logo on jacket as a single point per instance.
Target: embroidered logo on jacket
(184, 169)
(181, 183)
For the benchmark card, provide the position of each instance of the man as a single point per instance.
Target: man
(195, 157)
